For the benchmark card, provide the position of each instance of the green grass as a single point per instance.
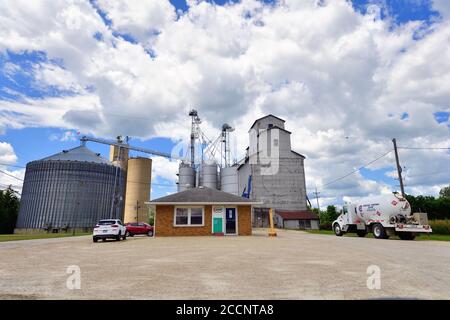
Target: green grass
(14, 237)
(424, 237)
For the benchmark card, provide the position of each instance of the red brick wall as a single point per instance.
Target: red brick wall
(164, 222)
(245, 220)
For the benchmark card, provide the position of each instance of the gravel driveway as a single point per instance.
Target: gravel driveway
(294, 265)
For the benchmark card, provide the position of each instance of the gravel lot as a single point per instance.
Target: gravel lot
(294, 265)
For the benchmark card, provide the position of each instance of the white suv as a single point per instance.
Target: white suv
(109, 229)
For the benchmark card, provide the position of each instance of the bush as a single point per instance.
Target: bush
(440, 226)
(325, 225)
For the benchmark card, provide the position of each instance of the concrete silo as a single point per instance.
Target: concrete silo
(139, 175)
(71, 189)
(119, 156)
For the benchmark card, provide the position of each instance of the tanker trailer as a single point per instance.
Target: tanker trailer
(384, 216)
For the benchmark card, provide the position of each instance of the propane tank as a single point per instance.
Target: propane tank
(392, 208)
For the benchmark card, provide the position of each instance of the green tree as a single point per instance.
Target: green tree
(445, 192)
(332, 213)
(329, 215)
(151, 216)
(9, 210)
(437, 208)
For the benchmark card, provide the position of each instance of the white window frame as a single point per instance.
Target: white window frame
(189, 216)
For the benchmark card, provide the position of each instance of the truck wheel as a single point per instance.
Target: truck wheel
(379, 232)
(337, 230)
(406, 235)
(95, 239)
(361, 233)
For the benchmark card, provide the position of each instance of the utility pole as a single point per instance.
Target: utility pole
(137, 207)
(114, 196)
(317, 198)
(399, 168)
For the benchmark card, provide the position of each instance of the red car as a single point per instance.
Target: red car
(134, 228)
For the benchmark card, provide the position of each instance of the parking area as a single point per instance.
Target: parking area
(294, 265)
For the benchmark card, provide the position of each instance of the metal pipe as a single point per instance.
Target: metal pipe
(84, 139)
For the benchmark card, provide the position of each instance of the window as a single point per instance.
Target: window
(189, 216)
(181, 216)
(307, 224)
(197, 216)
(106, 222)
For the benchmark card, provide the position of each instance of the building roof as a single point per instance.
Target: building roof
(297, 215)
(80, 153)
(298, 154)
(276, 127)
(269, 115)
(202, 195)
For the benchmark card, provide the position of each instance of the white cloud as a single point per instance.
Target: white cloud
(342, 80)
(64, 136)
(142, 19)
(7, 154)
(443, 6)
(165, 169)
(9, 177)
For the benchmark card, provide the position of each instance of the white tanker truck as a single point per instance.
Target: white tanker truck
(383, 216)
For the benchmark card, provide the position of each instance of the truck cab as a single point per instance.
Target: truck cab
(348, 221)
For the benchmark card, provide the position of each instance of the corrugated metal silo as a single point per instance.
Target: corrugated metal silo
(209, 175)
(229, 179)
(139, 176)
(73, 188)
(186, 177)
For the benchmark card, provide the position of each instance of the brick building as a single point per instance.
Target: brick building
(201, 212)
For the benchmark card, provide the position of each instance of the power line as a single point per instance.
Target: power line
(10, 165)
(10, 185)
(354, 171)
(427, 174)
(4, 187)
(1, 171)
(424, 148)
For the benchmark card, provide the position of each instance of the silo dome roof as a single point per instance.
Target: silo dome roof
(80, 153)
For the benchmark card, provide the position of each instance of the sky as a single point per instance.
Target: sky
(347, 76)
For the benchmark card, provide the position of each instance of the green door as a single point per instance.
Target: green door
(217, 225)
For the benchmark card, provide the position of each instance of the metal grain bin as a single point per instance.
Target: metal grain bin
(186, 177)
(229, 179)
(74, 188)
(209, 175)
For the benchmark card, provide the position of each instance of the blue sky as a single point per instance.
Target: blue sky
(35, 142)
